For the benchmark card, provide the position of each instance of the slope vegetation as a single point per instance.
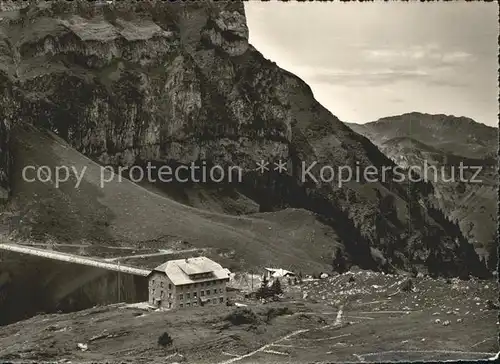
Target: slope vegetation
(123, 213)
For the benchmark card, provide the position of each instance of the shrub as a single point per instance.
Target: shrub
(407, 285)
(61, 7)
(165, 340)
(275, 312)
(242, 316)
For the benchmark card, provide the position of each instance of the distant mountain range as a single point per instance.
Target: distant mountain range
(443, 141)
(460, 136)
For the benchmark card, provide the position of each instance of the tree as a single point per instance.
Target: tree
(492, 260)
(339, 263)
(276, 287)
(263, 290)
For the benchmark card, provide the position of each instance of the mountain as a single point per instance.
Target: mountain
(128, 84)
(460, 136)
(445, 143)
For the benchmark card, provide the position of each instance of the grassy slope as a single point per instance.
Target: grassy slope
(124, 213)
(203, 336)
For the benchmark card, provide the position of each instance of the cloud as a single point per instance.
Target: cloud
(360, 77)
(455, 57)
(427, 64)
(429, 53)
(444, 76)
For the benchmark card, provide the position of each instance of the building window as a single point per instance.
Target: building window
(169, 286)
(215, 291)
(181, 305)
(202, 293)
(170, 305)
(188, 295)
(194, 294)
(170, 295)
(195, 304)
(221, 299)
(208, 292)
(181, 296)
(220, 290)
(161, 284)
(214, 301)
(161, 294)
(187, 304)
(153, 291)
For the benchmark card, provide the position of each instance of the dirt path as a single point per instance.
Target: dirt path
(338, 319)
(79, 246)
(159, 254)
(263, 348)
(266, 348)
(362, 356)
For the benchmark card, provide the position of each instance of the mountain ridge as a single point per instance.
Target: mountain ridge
(453, 133)
(471, 204)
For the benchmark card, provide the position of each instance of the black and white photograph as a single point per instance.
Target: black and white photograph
(219, 182)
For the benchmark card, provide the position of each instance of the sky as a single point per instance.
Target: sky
(365, 61)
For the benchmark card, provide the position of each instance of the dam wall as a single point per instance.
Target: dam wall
(31, 284)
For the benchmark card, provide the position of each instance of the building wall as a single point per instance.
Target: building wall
(184, 296)
(161, 288)
(211, 292)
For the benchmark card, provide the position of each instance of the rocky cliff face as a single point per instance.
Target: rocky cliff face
(147, 81)
(5, 161)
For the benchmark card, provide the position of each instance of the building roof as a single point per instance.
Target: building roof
(278, 272)
(179, 271)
